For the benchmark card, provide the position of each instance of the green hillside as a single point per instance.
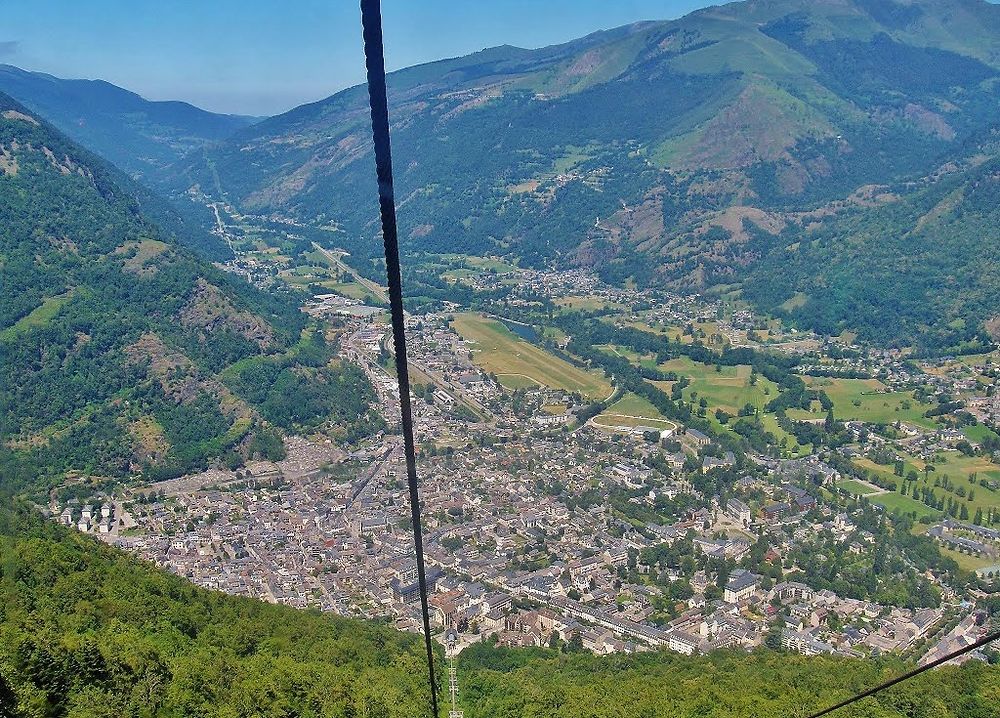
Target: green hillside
(87, 631)
(922, 269)
(120, 352)
(697, 142)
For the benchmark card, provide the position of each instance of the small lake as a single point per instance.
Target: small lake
(525, 331)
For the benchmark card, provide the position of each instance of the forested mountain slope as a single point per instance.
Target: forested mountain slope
(136, 134)
(121, 352)
(695, 143)
(87, 631)
(921, 265)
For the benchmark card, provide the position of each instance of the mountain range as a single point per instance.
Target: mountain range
(835, 162)
(136, 134)
(695, 154)
(775, 151)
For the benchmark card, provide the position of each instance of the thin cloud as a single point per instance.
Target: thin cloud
(9, 48)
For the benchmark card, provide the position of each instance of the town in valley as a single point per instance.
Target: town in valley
(561, 508)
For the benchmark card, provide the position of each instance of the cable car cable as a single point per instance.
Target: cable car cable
(371, 20)
(907, 676)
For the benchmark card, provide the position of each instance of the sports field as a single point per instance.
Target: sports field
(898, 503)
(520, 364)
(633, 410)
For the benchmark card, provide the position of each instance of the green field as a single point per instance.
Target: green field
(633, 410)
(967, 562)
(324, 272)
(517, 381)
(353, 290)
(609, 420)
(729, 389)
(956, 466)
(647, 360)
(979, 432)
(865, 400)
(520, 364)
(469, 266)
(587, 303)
(855, 487)
(37, 317)
(897, 503)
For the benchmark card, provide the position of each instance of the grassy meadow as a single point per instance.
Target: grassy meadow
(520, 364)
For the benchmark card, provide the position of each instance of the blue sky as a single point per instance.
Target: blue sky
(267, 56)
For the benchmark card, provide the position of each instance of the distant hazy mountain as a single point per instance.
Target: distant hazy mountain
(702, 143)
(121, 351)
(134, 133)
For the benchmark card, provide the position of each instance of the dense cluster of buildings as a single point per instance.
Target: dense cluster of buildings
(535, 534)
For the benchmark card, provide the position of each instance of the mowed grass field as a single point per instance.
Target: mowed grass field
(865, 400)
(728, 389)
(520, 364)
(897, 503)
(855, 487)
(633, 410)
(587, 303)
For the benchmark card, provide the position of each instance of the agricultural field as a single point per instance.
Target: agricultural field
(317, 270)
(519, 364)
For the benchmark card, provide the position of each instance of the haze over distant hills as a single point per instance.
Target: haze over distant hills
(716, 145)
(136, 134)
